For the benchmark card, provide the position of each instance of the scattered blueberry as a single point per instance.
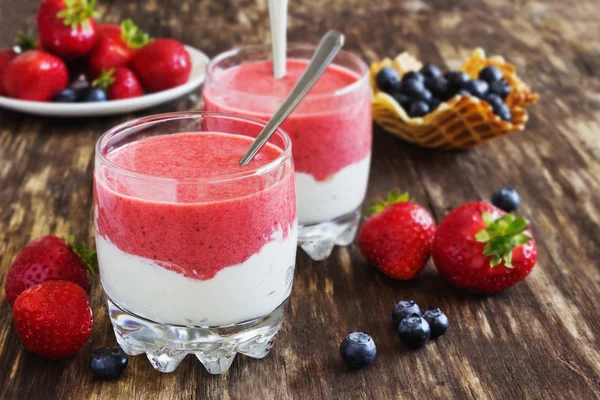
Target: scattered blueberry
(477, 88)
(413, 75)
(456, 79)
(69, 95)
(93, 94)
(404, 308)
(402, 99)
(437, 320)
(108, 362)
(503, 112)
(431, 71)
(387, 80)
(419, 109)
(414, 331)
(412, 87)
(501, 88)
(506, 199)
(491, 74)
(358, 349)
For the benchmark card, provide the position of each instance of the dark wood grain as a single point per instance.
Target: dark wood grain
(538, 340)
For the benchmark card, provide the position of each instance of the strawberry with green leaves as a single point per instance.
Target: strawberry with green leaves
(480, 248)
(50, 258)
(119, 83)
(397, 237)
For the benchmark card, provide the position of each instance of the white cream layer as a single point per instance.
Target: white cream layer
(338, 195)
(237, 293)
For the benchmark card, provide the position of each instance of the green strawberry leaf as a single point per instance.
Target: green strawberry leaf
(105, 80)
(502, 236)
(393, 197)
(88, 257)
(77, 13)
(133, 35)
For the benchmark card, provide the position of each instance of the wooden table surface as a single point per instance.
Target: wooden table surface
(538, 340)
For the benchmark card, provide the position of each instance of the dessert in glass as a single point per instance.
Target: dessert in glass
(196, 253)
(331, 131)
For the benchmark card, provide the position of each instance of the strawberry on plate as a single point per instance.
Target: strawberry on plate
(50, 258)
(397, 238)
(480, 248)
(110, 30)
(119, 83)
(35, 75)
(115, 49)
(162, 64)
(67, 27)
(53, 319)
(24, 43)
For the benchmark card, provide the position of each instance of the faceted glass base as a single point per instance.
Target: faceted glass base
(318, 240)
(167, 345)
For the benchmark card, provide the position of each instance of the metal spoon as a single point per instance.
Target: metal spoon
(327, 49)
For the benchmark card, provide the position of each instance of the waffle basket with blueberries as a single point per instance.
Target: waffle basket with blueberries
(456, 110)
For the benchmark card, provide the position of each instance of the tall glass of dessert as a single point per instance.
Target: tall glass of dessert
(196, 253)
(331, 131)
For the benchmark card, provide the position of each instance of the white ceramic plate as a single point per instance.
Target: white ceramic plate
(199, 61)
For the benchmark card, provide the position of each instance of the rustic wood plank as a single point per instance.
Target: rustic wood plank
(539, 340)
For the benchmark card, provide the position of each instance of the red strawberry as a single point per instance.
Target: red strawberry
(110, 30)
(53, 319)
(479, 248)
(162, 64)
(67, 27)
(397, 238)
(50, 258)
(119, 83)
(35, 75)
(116, 50)
(24, 43)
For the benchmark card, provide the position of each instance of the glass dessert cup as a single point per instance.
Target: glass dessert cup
(331, 131)
(196, 253)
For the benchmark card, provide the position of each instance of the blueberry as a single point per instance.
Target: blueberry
(413, 75)
(431, 71)
(404, 308)
(437, 320)
(434, 103)
(358, 349)
(501, 88)
(69, 95)
(494, 100)
(424, 95)
(477, 88)
(491, 74)
(419, 109)
(503, 112)
(387, 80)
(412, 87)
(414, 331)
(402, 99)
(456, 79)
(93, 94)
(438, 87)
(463, 92)
(506, 199)
(108, 362)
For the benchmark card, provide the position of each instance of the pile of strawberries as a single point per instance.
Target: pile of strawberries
(100, 61)
(47, 286)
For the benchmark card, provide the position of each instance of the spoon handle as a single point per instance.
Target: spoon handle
(327, 49)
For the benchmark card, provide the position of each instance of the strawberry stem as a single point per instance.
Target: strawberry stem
(133, 35)
(501, 236)
(77, 13)
(88, 257)
(25, 41)
(393, 197)
(105, 80)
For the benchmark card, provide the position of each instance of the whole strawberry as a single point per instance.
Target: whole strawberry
(53, 319)
(119, 83)
(24, 43)
(162, 64)
(35, 75)
(115, 49)
(397, 238)
(50, 258)
(67, 27)
(479, 248)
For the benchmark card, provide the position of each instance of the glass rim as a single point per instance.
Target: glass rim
(363, 75)
(165, 117)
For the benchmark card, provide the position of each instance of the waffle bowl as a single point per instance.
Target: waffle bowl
(463, 122)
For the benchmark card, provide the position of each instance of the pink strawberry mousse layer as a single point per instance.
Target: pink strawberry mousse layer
(328, 131)
(198, 229)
